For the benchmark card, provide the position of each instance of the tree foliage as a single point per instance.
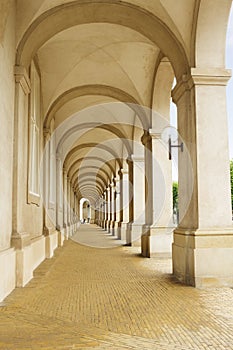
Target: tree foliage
(175, 194)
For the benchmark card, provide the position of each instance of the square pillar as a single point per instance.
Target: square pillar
(162, 227)
(65, 203)
(203, 242)
(124, 200)
(135, 228)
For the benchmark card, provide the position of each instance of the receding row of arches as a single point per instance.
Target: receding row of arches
(94, 81)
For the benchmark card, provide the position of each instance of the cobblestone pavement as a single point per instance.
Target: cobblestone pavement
(90, 298)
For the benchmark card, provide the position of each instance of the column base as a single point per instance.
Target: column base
(61, 237)
(110, 226)
(27, 260)
(51, 243)
(157, 241)
(20, 240)
(114, 228)
(203, 258)
(122, 231)
(7, 272)
(72, 230)
(103, 224)
(67, 232)
(134, 234)
(106, 224)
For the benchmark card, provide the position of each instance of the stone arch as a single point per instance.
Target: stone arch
(91, 145)
(89, 175)
(209, 37)
(161, 92)
(90, 181)
(97, 89)
(70, 168)
(119, 12)
(89, 186)
(95, 125)
(90, 167)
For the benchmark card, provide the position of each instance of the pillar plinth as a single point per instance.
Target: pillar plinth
(208, 254)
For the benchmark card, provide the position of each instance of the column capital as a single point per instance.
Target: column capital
(200, 76)
(21, 77)
(46, 133)
(146, 137)
(137, 158)
(117, 179)
(210, 76)
(129, 160)
(123, 171)
(185, 84)
(154, 134)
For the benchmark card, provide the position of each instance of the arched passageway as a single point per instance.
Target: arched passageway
(91, 119)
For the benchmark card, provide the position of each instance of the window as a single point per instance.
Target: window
(34, 135)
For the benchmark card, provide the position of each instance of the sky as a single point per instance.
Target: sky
(229, 64)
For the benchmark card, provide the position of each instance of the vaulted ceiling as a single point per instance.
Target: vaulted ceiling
(99, 60)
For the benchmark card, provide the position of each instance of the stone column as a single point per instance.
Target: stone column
(117, 205)
(71, 210)
(159, 226)
(78, 219)
(104, 210)
(107, 213)
(100, 212)
(109, 208)
(65, 202)
(58, 194)
(135, 229)
(203, 241)
(97, 212)
(46, 176)
(113, 209)
(158, 231)
(124, 203)
(149, 198)
(68, 206)
(74, 210)
(49, 214)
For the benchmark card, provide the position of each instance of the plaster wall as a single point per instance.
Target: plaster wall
(7, 56)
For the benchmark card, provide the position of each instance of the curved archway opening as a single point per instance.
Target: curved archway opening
(67, 15)
(85, 211)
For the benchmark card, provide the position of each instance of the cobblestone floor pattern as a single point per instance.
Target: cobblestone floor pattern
(90, 298)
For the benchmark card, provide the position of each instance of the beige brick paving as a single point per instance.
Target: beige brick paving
(90, 298)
